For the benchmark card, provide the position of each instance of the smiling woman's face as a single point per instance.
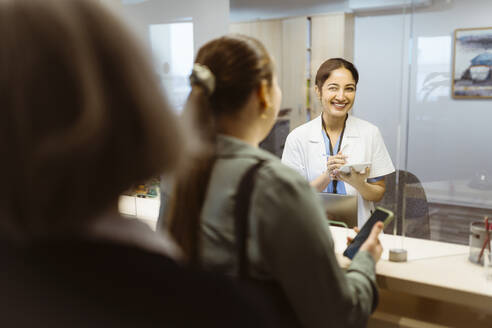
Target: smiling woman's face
(338, 93)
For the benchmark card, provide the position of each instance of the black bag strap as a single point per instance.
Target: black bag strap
(241, 217)
(266, 293)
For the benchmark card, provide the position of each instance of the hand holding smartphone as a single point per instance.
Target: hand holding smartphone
(379, 215)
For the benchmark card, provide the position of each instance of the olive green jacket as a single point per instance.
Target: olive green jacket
(289, 240)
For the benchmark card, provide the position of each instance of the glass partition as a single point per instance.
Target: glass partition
(448, 134)
(382, 43)
(416, 65)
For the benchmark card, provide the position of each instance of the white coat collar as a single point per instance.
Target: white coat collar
(316, 129)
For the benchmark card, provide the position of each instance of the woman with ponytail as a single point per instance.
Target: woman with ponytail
(238, 210)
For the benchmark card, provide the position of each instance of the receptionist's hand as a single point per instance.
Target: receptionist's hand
(334, 163)
(355, 179)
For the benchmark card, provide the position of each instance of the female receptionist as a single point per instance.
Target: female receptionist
(318, 149)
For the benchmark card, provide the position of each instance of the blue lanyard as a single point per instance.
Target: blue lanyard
(335, 182)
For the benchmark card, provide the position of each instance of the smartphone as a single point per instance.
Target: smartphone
(379, 215)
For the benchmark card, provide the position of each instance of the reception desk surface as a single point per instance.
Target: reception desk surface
(436, 287)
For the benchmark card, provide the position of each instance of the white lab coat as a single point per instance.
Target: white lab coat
(305, 152)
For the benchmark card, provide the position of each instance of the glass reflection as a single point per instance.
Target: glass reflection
(433, 68)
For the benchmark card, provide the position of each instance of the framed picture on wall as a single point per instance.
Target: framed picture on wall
(472, 65)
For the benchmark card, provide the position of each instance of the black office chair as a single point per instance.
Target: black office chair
(409, 195)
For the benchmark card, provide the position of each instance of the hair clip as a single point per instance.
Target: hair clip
(202, 76)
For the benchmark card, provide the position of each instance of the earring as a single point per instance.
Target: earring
(263, 116)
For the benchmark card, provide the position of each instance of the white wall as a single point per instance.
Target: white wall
(210, 18)
(448, 138)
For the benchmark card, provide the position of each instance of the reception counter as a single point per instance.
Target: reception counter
(436, 287)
